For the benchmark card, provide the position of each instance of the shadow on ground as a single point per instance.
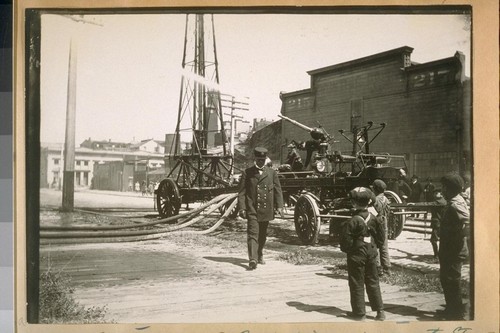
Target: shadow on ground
(404, 310)
(329, 310)
(396, 309)
(230, 260)
(425, 258)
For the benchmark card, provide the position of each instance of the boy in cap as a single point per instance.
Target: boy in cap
(259, 195)
(381, 205)
(360, 237)
(453, 248)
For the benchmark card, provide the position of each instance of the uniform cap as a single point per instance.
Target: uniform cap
(291, 145)
(379, 186)
(260, 152)
(361, 195)
(453, 182)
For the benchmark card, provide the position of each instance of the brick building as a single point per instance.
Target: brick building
(427, 108)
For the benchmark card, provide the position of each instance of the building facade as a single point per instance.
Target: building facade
(426, 108)
(88, 160)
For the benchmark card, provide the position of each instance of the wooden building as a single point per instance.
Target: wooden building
(427, 108)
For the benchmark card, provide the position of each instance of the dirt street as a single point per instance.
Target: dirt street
(191, 280)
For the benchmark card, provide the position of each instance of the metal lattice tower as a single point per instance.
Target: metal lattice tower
(200, 109)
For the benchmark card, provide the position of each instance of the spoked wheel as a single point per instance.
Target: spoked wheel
(395, 223)
(168, 199)
(224, 207)
(307, 221)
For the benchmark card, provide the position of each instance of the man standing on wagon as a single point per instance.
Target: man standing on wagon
(259, 195)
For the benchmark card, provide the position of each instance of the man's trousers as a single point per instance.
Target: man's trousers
(256, 238)
(361, 272)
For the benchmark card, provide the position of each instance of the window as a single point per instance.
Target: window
(56, 161)
(78, 162)
(356, 114)
(86, 163)
(406, 60)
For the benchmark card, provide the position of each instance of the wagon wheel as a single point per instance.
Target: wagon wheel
(234, 212)
(395, 223)
(307, 221)
(168, 199)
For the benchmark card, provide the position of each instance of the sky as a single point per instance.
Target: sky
(129, 66)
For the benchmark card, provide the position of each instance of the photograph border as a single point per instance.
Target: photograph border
(484, 77)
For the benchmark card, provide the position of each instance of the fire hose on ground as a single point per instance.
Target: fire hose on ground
(110, 234)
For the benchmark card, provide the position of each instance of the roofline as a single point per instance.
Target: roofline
(415, 67)
(87, 151)
(294, 93)
(363, 60)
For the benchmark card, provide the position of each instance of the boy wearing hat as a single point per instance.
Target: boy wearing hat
(381, 205)
(453, 250)
(360, 237)
(259, 195)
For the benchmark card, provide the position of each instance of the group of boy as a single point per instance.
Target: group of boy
(364, 236)
(366, 233)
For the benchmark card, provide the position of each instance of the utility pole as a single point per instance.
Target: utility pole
(68, 190)
(235, 105)
(69, 140)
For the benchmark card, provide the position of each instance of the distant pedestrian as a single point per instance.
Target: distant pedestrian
(429, 189)
(437, 212)
(144, 188)
(429, 194)
(402, 187)
(382, 207)
(360, 237)
(454, 230)
(259, 195)
(417, 189)
(137, 186)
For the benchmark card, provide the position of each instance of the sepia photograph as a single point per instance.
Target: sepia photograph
(249, 165)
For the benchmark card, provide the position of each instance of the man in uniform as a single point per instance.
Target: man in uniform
(259, 195)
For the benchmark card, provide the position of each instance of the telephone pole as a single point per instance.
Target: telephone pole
(235, 105)
(69, 140)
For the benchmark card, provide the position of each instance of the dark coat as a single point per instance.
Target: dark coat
(259, 194)
(357, 230)
(454, 229)
(416, 192)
